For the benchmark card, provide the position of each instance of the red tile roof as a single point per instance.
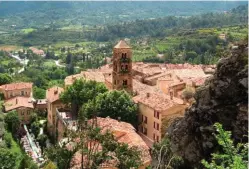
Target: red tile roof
(53, 94)
(17, 102)
(16, 86)
(157, 101)
(124, 133)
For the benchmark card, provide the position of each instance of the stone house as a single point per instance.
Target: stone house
(153, 109)
(23, 105)
(53, 102)
(16, 89)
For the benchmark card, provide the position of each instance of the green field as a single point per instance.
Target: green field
(27, 30)
(49, 63)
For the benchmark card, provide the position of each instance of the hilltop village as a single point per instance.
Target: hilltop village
(162, 93)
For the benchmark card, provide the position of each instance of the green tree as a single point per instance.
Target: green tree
(115, 104)
(12, 121)
(50, 165)
(231, 156)
(5, 78)
(39, 93)
(8, 139)
(89, 139)
(7, 159)
(27, 163)
(80, 92)
(35, 128)
(42, 141)
(163, 156)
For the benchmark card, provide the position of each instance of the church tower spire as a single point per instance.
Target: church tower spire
(122, 67)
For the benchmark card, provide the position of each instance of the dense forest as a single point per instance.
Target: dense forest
(40, 14)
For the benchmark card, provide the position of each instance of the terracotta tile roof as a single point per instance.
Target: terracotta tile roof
(122, 44)
(37, 51)
(70, 79)
(157, 101)
(139, 87)
(189, 73)
(53, 94)
(16, 86)
(17, 102)
(176, 83)
(183, 66)
(124, 133)
(94, 75)
(108, 79)
(199, 81)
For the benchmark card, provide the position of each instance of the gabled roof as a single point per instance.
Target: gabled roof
(17, 102)
(16, 86)
(157, 101)
(122, 45)
(53, 94)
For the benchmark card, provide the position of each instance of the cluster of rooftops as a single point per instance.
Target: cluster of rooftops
(157, 86)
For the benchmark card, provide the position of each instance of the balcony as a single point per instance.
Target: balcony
(123, 71)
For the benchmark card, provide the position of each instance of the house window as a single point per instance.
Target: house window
(145, 131)
(157, 126)
(28, 112)
(124, 55)
(156, 114)
(145, 119)
(122, 67)
(154, 136)
(22, 93)
(157, 138)
(22, 113)
(125, 82)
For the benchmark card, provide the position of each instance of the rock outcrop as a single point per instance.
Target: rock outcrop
(223, 99)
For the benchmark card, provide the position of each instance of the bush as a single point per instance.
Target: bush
(8, 139)
(12, 121)
(230, 156)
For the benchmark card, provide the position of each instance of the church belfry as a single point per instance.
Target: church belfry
(122, 67)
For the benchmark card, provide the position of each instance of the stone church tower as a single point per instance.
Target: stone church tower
(122, 67)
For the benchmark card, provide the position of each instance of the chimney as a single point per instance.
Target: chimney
(119, 119)
(171, 94)
(148, 94)
(56, 91)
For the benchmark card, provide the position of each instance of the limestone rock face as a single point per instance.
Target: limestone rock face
(223, 99)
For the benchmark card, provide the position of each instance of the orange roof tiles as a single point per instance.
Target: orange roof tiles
(94, 75)
(70, 79)
(156, 101)
(122, 44)
(125, 133)
(16, 86)
(17, 102)
(53, 94)
(37, 51)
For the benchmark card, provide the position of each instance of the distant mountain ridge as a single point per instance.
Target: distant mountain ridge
(96, 13)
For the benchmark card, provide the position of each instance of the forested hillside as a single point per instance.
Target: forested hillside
(39, 14)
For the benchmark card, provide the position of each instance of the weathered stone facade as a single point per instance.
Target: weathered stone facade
(122, 67)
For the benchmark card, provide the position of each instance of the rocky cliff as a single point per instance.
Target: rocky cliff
(223, 99)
